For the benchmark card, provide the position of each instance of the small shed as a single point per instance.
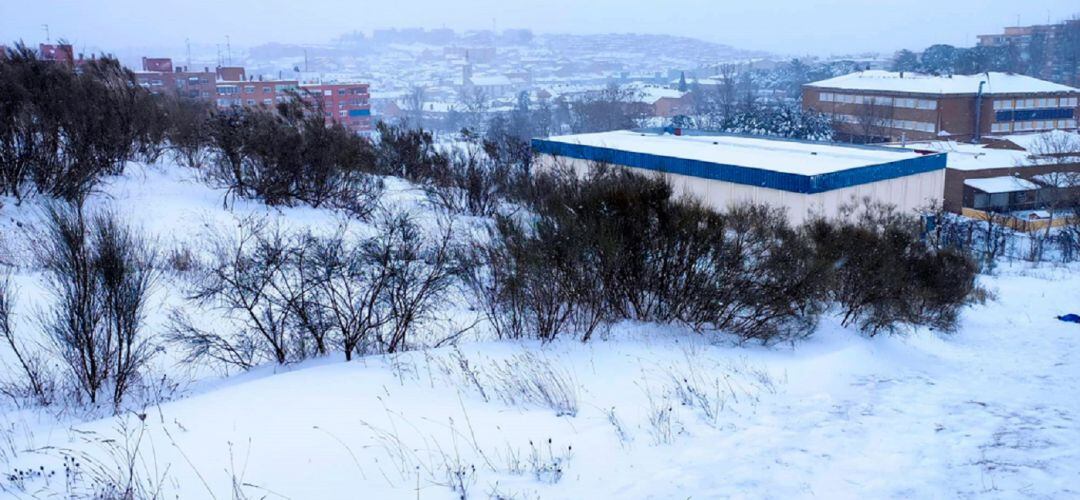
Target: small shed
(1001, 194)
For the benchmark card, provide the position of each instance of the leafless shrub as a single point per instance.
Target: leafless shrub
(247, 280)
(99, 272)
(37, 382)
(470, 182)
(180, 260)
(616, 245)
(295, 295)
(883, 274)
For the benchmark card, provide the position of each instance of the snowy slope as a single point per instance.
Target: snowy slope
(989, 411)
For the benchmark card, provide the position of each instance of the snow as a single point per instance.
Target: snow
(1003, 184)
(915, 83)
(650, 94)
(989, 411)
(1068, 141)
(803, 158)
(967, 156)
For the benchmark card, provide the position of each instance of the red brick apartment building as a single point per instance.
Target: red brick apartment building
(61, 53)
(159, 76)
(1047, 49)
(346, 103)
(253, 92)
(227, 86)
(882, 106)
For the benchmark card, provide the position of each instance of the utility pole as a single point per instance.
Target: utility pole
(47, 39)
(187, 43)
(228, 50)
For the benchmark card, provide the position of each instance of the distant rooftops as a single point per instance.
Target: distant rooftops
(916, 83)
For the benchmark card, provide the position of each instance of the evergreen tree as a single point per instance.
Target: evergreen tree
(905, 60)
(682, 82)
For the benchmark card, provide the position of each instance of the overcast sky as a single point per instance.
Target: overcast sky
(818, 27)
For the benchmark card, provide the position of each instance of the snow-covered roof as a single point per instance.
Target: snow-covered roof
(1068, 141)
(915, 83)
(491, 81)
(795, 157)
(1059, 179)
(1003, 184)
(649, 94)
(966, 156)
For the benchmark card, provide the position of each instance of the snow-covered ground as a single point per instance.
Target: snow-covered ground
(648, 412)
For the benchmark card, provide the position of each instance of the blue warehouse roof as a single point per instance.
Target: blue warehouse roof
(789, 165)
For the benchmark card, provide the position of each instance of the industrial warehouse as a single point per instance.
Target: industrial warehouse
(802, 177)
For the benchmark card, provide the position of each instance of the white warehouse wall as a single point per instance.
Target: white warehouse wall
(908, 193)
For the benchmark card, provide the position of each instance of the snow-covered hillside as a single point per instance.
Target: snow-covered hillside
(647, 412)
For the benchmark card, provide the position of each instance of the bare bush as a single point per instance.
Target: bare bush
(884, 275)
(245, 280)
(289, 156)
(36, 382)
(617, 245)
(291, 296)
(62, 147)
(99, 272)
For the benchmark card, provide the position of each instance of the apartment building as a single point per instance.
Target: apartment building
(253, 92)
(159, 76)
(1048, 49)
(61, 53)
(346, 103)
(227, 86)
(882, 106)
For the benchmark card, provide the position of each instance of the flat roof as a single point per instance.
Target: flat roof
(1003, 184)
(917, 83)
(966, 156)
(785, 164)
(795, 157)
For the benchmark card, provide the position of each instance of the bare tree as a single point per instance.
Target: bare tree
(873, 121)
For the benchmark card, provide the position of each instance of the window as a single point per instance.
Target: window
(1029, 103)
(341, 92)
(266, 90)
(251, 102)
(250, 89)
(1043, 102)
(1003, 104)
(268, 101)
(982, 200)
(328, 92)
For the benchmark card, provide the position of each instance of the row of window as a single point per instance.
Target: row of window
(225, 103)
(880, 100)
(1035, 103)
(888, 123)
(353, 91)
(1032, 125)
